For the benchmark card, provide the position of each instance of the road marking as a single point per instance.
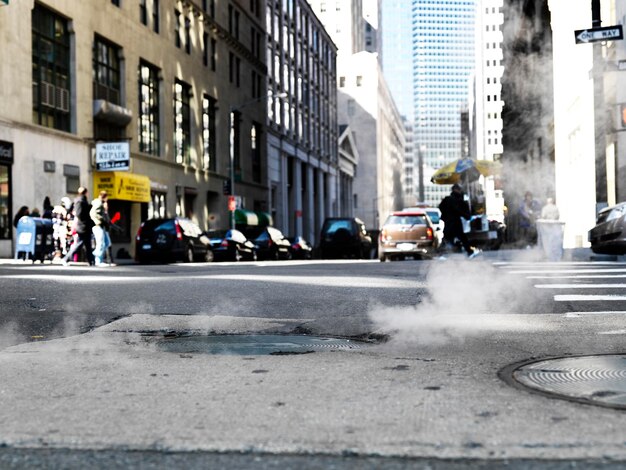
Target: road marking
(613, 332)
(567, 271)
(580, 286)
(582, 276)
(605, 312)
(587, 298)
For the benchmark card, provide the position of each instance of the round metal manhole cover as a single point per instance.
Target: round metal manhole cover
(251, 345)
(596, 380)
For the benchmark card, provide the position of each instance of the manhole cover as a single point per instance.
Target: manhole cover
(597, 380)
(254, 344)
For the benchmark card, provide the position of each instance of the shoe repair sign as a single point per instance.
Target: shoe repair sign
(112, 156)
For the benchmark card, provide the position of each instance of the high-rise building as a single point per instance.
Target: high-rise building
(443, 60)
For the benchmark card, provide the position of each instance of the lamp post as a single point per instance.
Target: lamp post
(232, 111)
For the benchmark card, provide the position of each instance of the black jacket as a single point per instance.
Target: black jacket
(452, 208)
(81, 212)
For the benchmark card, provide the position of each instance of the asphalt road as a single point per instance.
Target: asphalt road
(86, 381)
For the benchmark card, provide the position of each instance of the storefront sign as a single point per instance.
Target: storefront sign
(122, 186)
(6, 152)
(112, 156)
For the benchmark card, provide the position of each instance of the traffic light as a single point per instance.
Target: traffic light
(623, 115)
(226, 188)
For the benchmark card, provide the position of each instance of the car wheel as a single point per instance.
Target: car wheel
(189, 257)
(209, 256)
(383, 258)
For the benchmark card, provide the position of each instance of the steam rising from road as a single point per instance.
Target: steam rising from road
(460, 301)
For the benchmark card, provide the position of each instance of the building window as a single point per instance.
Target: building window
(205, 49)
(5, 193)
(342, 82)
(182, 122)
(157, 205)
(255, 151)
(149, 129)
(51, 69)
(234, 64)
(187, 35)
(213, 54)
(233, 22)
(116, 2)
(177, 31)
(208, 133)
(155, 16)
(106, 71)
(359, 80)
(143, 12)
(209, 7)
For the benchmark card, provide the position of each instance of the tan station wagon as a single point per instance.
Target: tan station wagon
(407, 234)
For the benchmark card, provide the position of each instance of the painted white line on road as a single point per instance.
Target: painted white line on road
(613, 332)
(583, 314)
(560, 263)
(582, 276)
(587, 298)
(580, 286)
(567, 271)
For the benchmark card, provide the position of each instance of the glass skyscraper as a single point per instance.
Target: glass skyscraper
(443, 61)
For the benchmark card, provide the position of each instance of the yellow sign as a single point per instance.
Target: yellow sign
(122, 185)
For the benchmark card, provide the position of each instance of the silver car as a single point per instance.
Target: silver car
(609, 234)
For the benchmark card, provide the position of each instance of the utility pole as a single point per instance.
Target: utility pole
(599, 112)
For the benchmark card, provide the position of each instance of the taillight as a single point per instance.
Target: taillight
(296, 246)
(139, 232)
(179, 232)
(224, 243)
(429, 233)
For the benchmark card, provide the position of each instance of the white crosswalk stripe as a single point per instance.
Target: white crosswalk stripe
(590, 279)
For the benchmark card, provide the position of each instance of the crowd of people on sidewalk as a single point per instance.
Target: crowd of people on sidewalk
(80, 229)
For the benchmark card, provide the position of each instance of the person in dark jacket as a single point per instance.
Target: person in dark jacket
(83, 226)
(21, 213)
(453, 208)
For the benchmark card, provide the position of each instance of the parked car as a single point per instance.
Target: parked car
(270, 242)
(173, 239)
(407, 234)
(231, 245)
(300, 248)
(609, 234)
(344, 237)
(435, 217)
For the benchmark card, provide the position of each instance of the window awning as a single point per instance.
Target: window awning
(244, 217)
(265, 219)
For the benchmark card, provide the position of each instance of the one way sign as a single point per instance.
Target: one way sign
(608, 33)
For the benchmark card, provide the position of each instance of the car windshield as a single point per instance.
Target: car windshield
(434, 216)
(159, 225)
(406, 220)
(333, 225)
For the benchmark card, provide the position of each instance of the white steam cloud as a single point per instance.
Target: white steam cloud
(461, 300)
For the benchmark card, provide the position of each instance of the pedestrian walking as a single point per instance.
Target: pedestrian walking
(83, 226)
(100, 217)
(19, 214)
(47, 208)
(550, 211)
(453, 209)
(528, 212)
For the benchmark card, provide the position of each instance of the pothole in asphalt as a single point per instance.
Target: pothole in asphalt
(595, 380)
(254, 345)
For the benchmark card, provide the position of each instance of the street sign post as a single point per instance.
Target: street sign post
(607, 33)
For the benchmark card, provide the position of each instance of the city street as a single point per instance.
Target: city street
(110, 367)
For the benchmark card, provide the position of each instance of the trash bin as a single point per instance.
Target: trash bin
(34, 239)
(550, 238)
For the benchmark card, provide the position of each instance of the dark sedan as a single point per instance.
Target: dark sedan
(231, 245)
(609, 234)
(174, 239)
(300, 248)
(270, 242)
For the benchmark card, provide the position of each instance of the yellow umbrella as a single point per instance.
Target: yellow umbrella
(465, 169)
